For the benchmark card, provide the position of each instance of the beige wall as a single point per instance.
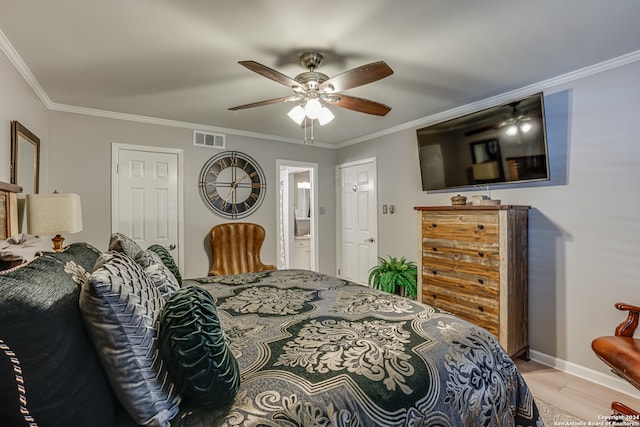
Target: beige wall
(584, 225)
(17, 102)
(76, 157)
(81, 153)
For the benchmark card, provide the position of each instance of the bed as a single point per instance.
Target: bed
(316, 350)
(311, 350)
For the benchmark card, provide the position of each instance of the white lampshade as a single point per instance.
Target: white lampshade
(49, 214)
(297, 114)
(313, 108)
(325, 116)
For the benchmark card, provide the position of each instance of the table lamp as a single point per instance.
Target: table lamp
(53, 214)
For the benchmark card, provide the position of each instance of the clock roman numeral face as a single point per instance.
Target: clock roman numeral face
(232, 185)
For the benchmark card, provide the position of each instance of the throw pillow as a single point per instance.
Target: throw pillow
(50, 374)
(121, 243)
(167, 260)
(194, 346)
(158, 273)
(121, 306)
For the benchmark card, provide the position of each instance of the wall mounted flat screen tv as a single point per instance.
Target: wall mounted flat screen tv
(504, 144)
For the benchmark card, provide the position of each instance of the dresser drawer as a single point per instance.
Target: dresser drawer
(487, 288)
(481, 273)
(463, 226)
(483, 253)
(482, 311)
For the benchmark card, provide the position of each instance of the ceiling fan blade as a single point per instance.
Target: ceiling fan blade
(358, 76)
(480, 130)
(265, 102)
(359, 104)
(270, 73)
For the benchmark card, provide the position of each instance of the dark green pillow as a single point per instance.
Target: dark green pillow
(49, 371)
(167, 260)
(192, 343)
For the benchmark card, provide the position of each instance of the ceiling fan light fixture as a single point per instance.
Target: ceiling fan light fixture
(511, 130)
(325, 116)
(525, 127)
(313, 108)
(297, 114)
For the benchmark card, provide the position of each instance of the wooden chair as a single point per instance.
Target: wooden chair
(622, 353)
(236, 248)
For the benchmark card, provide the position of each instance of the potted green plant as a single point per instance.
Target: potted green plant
(395, 275)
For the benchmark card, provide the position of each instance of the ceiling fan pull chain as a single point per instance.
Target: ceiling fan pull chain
(305, 129)
(312, 120)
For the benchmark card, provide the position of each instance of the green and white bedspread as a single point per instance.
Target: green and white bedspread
(315, 350)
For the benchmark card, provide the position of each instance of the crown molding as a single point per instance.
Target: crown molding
(18, 63)
(7, 48)
(502, 98)
(16, 60)
(65, 108)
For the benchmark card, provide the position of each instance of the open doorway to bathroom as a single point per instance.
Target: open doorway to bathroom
(297, 215)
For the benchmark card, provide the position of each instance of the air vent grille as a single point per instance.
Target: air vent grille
(208, 139)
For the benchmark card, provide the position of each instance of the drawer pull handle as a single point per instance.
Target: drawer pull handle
(434, 296)
(435, 272)
(435, 248)
(434, 225)
(481, 281)
(481, 254)
(481, 308)
(480, 226)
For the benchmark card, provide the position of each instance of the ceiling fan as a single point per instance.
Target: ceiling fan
(516, 120)
(519, 121)
(313, 89)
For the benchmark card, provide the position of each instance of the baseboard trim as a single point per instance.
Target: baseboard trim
(607, 380)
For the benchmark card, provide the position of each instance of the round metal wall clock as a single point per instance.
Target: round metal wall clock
(232, 185)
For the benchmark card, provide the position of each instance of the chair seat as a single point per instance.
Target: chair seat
(622, 354)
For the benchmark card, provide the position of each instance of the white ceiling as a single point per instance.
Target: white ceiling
(178, 59)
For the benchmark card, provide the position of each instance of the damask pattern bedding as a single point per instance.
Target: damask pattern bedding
(315, 350)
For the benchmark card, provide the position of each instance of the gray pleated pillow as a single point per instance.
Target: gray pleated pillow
(125, 244)
(158, 273)
(121, 308)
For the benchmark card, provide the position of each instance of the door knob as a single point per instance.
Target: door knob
(171, 247)
(370, 240)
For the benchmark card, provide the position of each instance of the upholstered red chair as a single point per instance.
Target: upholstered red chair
(236, 248)
(622, 353)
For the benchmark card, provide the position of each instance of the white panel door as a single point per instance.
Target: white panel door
(359, 220)
(146, 200)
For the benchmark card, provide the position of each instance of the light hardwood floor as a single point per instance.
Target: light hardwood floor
(577, 396)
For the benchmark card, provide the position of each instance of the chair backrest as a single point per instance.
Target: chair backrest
(236, 248)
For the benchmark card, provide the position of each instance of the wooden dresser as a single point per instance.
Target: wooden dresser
(474, 264)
